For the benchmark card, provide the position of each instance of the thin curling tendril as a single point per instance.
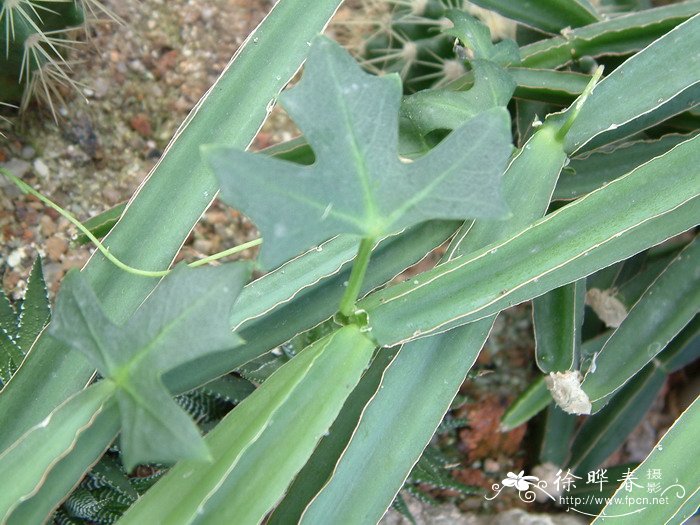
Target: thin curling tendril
(25, 188)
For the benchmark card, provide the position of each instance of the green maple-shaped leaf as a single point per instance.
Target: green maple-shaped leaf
(358, 184)
(476, 37)
(186, 317)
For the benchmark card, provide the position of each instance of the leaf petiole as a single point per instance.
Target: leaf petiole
(580, 101)
(25, 188)
(357, 275)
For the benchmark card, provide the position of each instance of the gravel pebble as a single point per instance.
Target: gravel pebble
(141, 79)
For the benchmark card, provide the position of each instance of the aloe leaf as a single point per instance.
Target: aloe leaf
(604, 432)
(63, 476)
(670, 303)
(261, 445)
(669, 455)
(34, 312)
(149, 234)
(531, 402)
(350, 118)
(33, 455)
(10, 357)
(385, 445)
(8, 316)
(616, 36)
(186, 317)
(561, 248)
(637, 127)
(557, 320)
(548, 85)
(550, 16)
(557, 434)
(655, 72)
(398, 416)
(320, 466)
(11, 354)
(595, 169)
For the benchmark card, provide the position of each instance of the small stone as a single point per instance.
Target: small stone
(202, 245)
(216, 217)
(100, 88)
(52, 274)
(40, 168)
(491, 465)
(15, 258)
(76, 260)
(111, 195)
(47, 225)
(55, 248)
(28, 153)
(18, 167)
(141, 124)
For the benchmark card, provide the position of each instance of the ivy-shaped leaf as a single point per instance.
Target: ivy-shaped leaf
(444, 109)
(186, 317)
(476, 37)
(358, 184)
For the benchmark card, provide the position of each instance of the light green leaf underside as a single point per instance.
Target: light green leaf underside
(358, 184)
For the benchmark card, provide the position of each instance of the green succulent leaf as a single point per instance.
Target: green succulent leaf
(171, 200)
(671, 455)
(358, 184)
(557, 318)
(19, 330)
(657, 76)
(185, 318)
(35, 311)
(668, 305)
(260, 446)
(444, 109)
(28, 461)
(551, 15)
(531, 402)
(619, 35)
(420, 383)
(557, 432)
(8, 316)
(476, 36)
